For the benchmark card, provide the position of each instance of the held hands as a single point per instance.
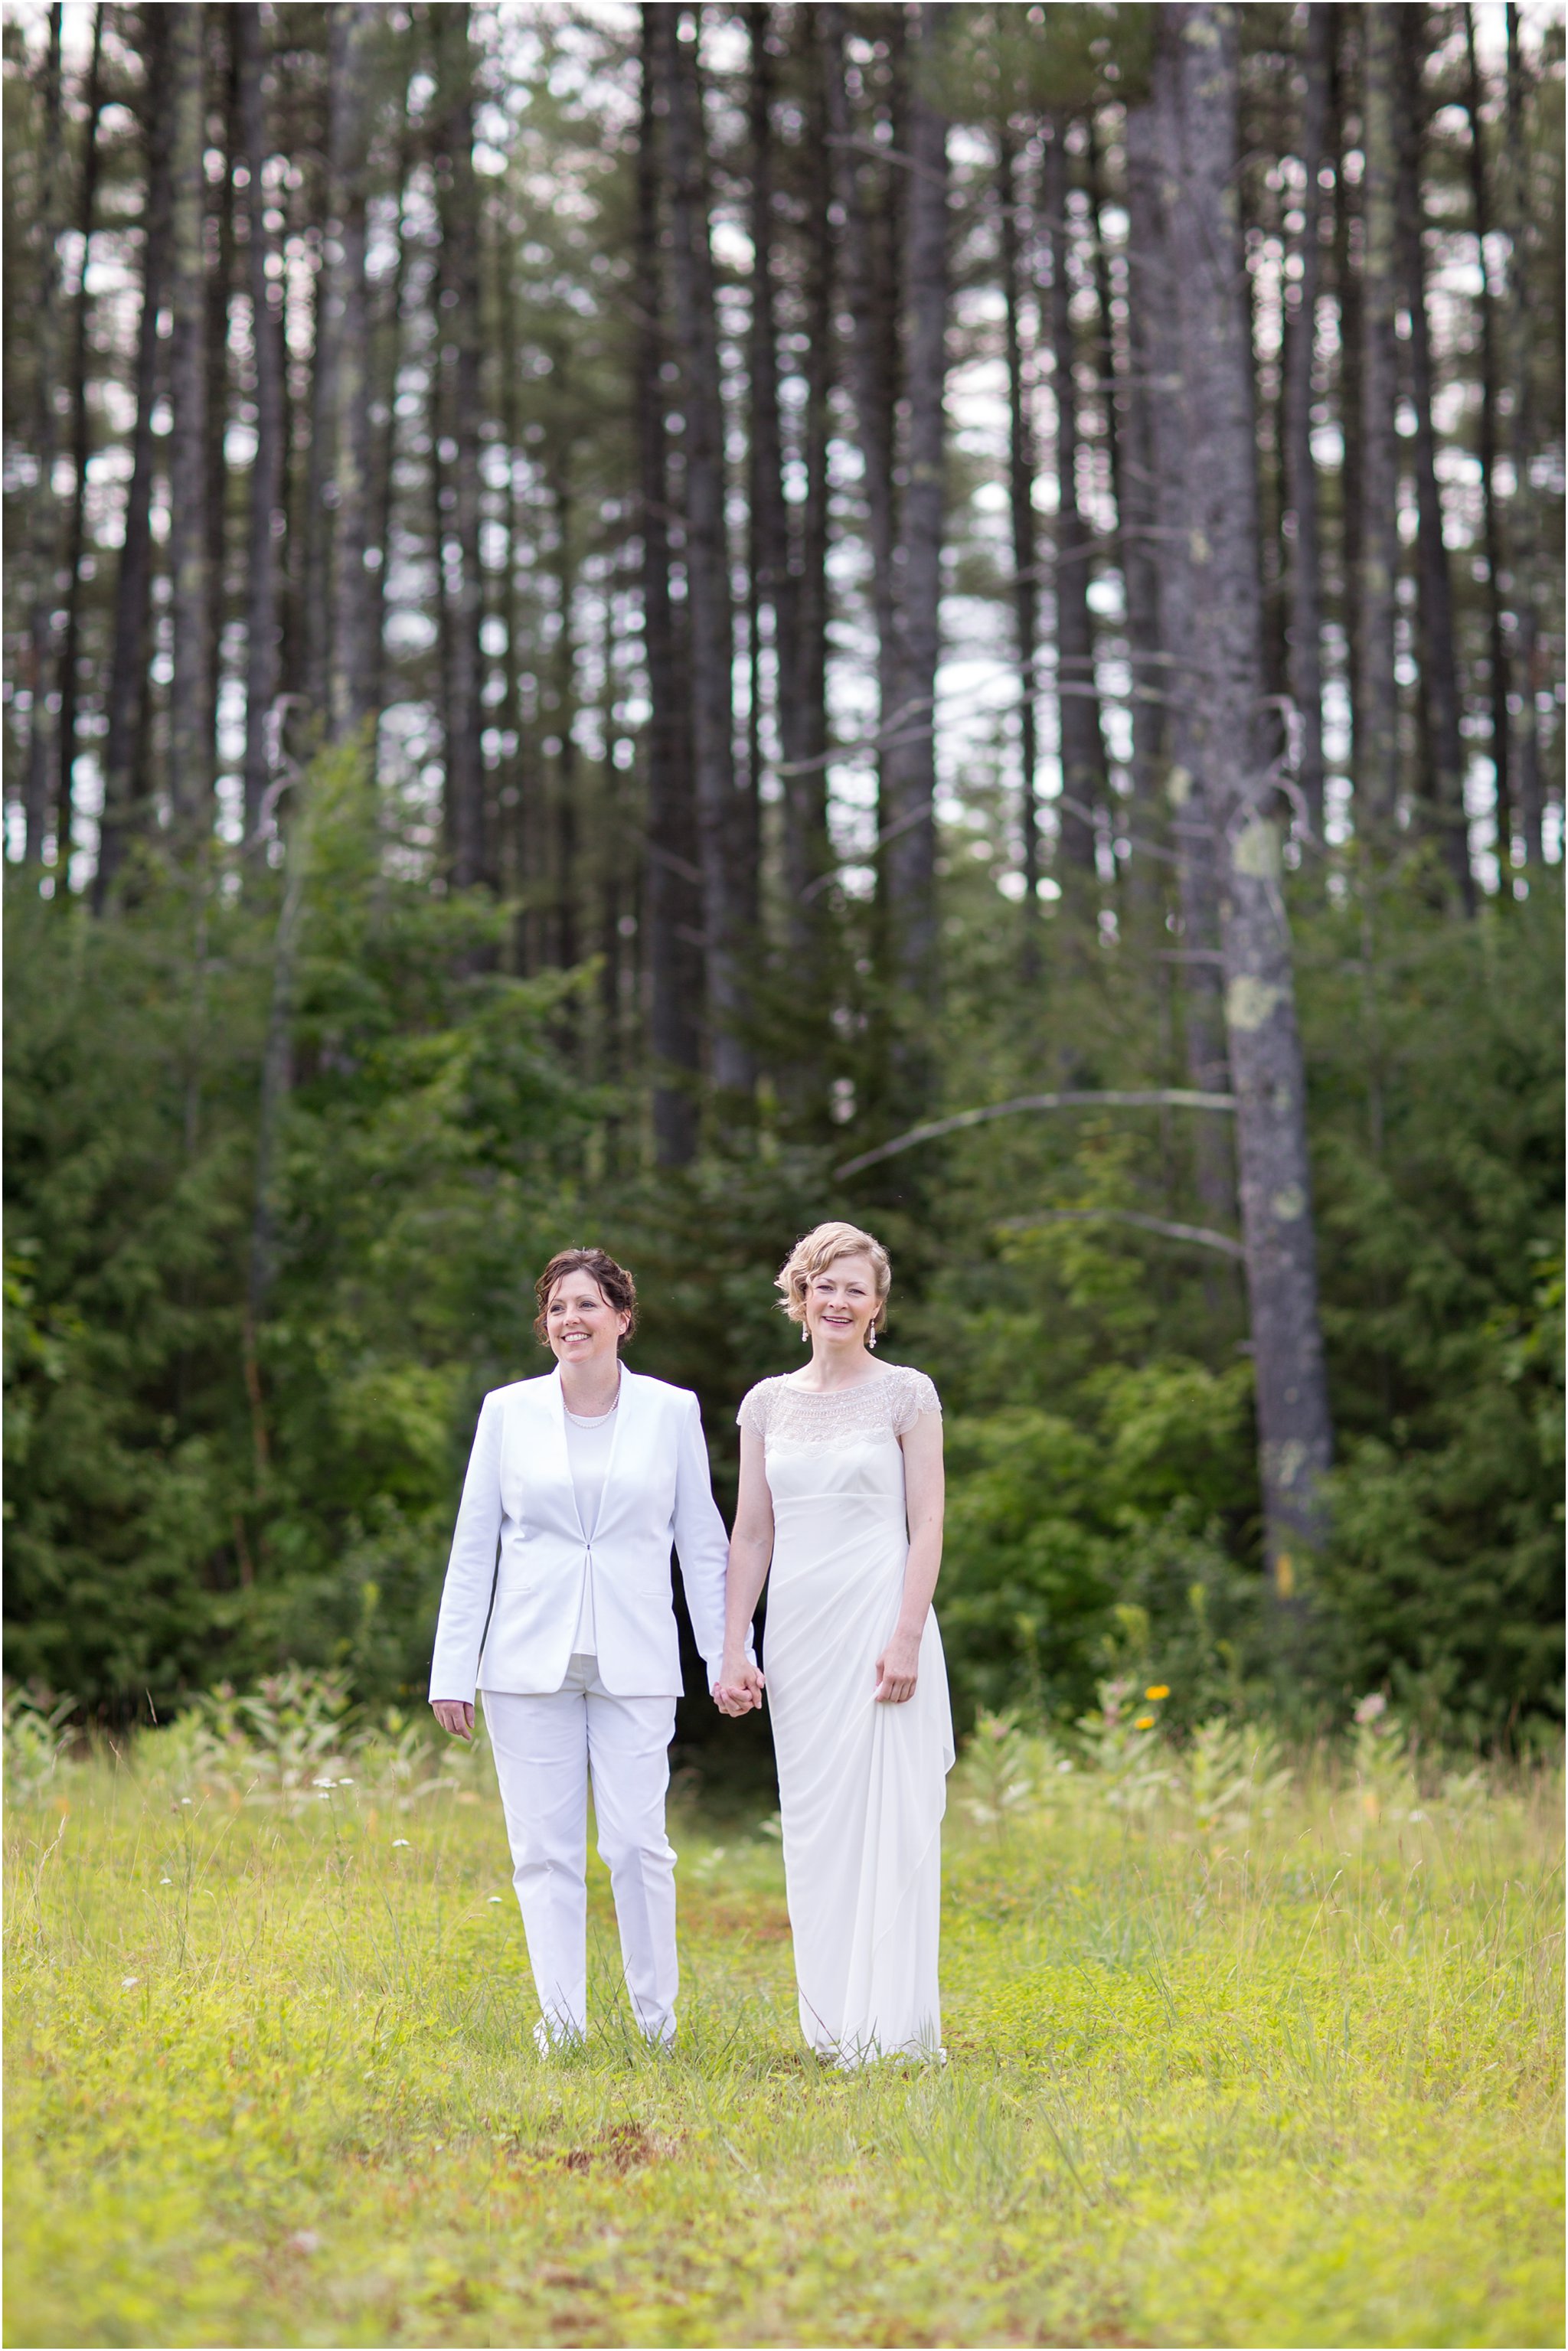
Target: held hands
(739, 1686)
(898, 1670)
(453, 1714)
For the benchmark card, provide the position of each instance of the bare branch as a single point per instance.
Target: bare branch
(1200, 1234)
(1154, 1098)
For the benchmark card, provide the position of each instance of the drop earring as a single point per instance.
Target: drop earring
(805, 1336)
(870, 1338)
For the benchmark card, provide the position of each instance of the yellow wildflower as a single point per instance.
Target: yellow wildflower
(1158, 1689)
(1145, 1722)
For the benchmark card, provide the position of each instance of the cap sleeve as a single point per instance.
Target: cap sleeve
(753, 1414)
(916, 1396)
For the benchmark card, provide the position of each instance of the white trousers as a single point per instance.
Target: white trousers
(547, 1749)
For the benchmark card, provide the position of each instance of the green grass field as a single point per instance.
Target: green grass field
(1281, 2068)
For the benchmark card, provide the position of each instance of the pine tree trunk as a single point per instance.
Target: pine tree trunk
(127, 663)
(1439, 666)
(383, 473)
(563, 713)
(1082, 746)
(76, 532)
(224, 94)
(44, 533)
(806, 792)
(1125, 397)
(189, 712)
(1493, 532)
(1377, 699)
(1153, 173)
(352, 67)
(707, 573)
(460, 362)
(1306, 620)
(908, 813)
(1196, 64)
(1347, 226)
(779, 581)
(314, 527)
(672, 906)
(1138, 524)
(267, 467)
(870, 301)
(1026, 585)
(1523, 334)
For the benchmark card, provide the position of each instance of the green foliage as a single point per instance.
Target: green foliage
(188, 1501)
(179, 1506)
(270, 2079)
(1100, 1435)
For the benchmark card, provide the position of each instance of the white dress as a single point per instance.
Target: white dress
(862, 1785)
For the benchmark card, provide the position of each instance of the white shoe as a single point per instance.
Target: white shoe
(551, 2039)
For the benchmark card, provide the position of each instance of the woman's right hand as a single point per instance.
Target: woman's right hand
(739, 1686)
(453, 1714)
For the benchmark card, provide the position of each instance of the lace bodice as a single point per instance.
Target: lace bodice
(890, 1403)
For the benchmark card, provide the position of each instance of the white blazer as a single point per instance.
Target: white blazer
(519, 1545)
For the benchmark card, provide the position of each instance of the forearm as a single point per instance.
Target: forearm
(921, 1570)
(748, 1562)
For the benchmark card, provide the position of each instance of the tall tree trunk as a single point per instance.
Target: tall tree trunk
(460, 362)
(806, 792)
(707, 573)
(564, 713)
(1082, 744)
(870, 302)
(128, 661)
(673, 908)
(773, 583)
(778, 579)
(351, 67)
(908, 814)
(1306, 621)
(267, 468)
(1127, 396)
(1493, 532)
(314, 529)
(76, 531)
(43, 534)
(1138, 525)
(1439, 666)
(1154, 178)
(383, 473)
(1347, 230)
(1026, 585)
(190, 712)
(220, 242)
(1378, 700)
(1523, 336)
(515, 813)
(1196, 64)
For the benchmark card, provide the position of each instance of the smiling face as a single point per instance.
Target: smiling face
(842, 1302)
(581, 1323)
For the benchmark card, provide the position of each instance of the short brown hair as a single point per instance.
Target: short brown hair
(615, 1285)
(821, 1247)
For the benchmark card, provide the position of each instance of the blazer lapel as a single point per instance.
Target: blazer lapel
(557, 1461)
(623, 1438)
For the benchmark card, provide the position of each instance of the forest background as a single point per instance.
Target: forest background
(611, 613)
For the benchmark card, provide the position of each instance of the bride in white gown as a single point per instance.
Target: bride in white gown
(841, 1497)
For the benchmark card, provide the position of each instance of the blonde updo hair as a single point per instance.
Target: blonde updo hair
(821, 1247)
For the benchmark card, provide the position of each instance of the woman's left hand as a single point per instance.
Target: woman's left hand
(898, 1669)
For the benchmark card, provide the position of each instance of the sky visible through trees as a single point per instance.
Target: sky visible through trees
(685, 595)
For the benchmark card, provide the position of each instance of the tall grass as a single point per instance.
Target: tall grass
(1275, 2066)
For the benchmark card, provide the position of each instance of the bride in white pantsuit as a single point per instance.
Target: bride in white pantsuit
(841, 1502)
(558, 1607)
